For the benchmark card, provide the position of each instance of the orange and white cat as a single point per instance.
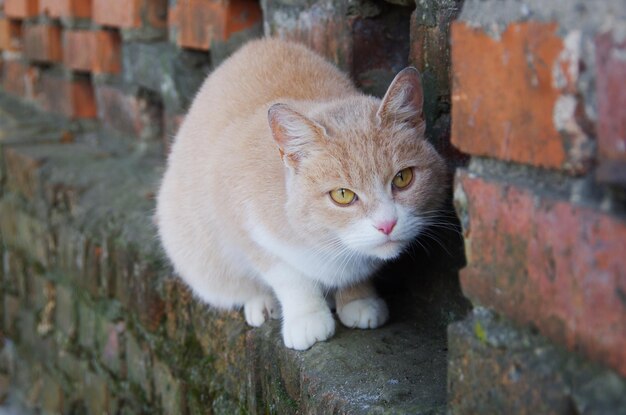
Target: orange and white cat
(286, 183)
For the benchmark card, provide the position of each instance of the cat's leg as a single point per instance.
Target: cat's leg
(306, 316)
(259, 308)
(225, 285)
(360, 306)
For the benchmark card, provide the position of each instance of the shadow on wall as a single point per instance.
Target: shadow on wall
(423, 284)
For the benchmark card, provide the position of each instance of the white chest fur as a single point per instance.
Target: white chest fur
(333, 266)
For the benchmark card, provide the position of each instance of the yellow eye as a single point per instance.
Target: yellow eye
(343, 196)
(403, 178)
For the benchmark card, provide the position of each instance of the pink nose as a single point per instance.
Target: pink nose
(387, 227)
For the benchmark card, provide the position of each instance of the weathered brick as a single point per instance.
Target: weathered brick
(201, 22)
(28, 377)
(72, 366)
(497, 369)
(21, 9)
(123, 272)
(136, 288)
(380, 47)
(42, 42)
(51, 399)
(96, 51)
(40, 290)
(93, 279)
(73, 98)
(97, 394)
(22, 172)
(131, 111)
(10, 312)
(130, 13)
(5, 384)
(66, 8)
(13, 273)
(526, 109)
(87, 326)
(430, 54)
(138, 360)
(547, 263)
(147, 303)
(610, 75)
(111, 343)
(225, 335)
(26, 331)
(23, 231)
(10, 34)
(321, 26)
(18, 78)
(14, 75)
(368, 40)
(161, 67)
(65, 312)
(168, 389)
(70, 253)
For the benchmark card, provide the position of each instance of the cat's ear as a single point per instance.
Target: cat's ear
(404, 100)
(294, 133)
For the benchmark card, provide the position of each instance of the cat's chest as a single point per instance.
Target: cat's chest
(333, 266)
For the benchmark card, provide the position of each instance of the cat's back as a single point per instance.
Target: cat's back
(263, 71)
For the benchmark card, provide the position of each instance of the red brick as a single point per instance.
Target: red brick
(13, 75)
(111, 347)
(19, 78)
(127, 112)
(10, 34)
(66, 8)
(327, 33)
(611, 72)
(510, 93)
(21, 9)
(547, 263)
(22, 171)
(200, 22)
(92, 51)
(130, 13)
(71, 98)
(42, 42)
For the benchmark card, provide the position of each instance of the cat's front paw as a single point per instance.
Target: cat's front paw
(364, 313)
(304, 331)
(258, 309)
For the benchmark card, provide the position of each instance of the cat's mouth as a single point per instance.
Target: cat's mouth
(389, 249)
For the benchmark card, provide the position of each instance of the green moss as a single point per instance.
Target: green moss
(480, 332)
(282, 399)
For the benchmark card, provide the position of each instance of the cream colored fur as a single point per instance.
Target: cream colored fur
(244, 211)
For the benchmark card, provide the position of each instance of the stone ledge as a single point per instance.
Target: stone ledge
(140, 336)
(495, 367)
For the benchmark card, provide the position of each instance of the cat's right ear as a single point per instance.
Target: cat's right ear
(294, 133)
(404, 101)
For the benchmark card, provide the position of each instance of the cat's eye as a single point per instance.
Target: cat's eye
(343, 196)
(403, 178)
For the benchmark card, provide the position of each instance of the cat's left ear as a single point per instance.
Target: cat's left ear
(294, 133)
(404, 100)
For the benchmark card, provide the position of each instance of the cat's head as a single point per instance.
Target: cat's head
(360, 175)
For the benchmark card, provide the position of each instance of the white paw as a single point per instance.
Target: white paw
(258, 309)
(365, 313)
(304, 331)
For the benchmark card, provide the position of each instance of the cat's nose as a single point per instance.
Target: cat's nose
(387, 226)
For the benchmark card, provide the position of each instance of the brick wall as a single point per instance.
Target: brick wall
(535, 101)
(523, 98)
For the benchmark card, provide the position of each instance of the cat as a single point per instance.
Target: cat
(285, 183)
